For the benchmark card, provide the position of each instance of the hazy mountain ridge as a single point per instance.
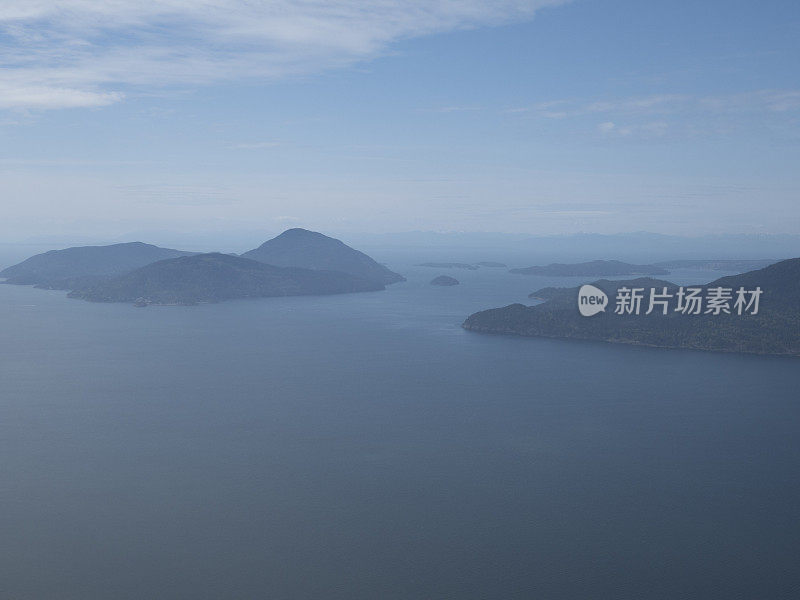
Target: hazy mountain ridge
(718, 265)
(774, 330)
(595, 268)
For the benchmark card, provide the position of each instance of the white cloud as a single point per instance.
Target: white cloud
(66, 53)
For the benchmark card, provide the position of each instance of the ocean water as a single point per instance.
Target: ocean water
(365, 446)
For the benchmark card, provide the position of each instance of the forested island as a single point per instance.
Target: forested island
(774, 329)
(215, 277)
(297, 262)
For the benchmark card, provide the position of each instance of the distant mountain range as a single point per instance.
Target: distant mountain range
(83, 265)
(775, 329)
(634, 247)
(312, 250)
(297, 262)
(215, 277)
(595, 268)
(467, 266)
(717, 265)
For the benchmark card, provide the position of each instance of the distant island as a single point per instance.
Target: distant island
(311, 250)
(83, 265)
(444, 280)
(492, 265)
(775, 329)
(595, 268)
(448, 265)
(215, 277)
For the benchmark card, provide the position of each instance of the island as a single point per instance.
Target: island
(774, 329)
(595, 268)
(492, 265)
(215, 277)
(85, 265)
(312, 250)
(444, 280)
(307, 263)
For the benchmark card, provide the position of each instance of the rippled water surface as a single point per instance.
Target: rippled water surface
(365, 446)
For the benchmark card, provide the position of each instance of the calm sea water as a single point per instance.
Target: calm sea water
(365, 447)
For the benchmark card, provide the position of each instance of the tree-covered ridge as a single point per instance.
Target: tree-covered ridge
(774, 329)
(84, 265)
(215, 277)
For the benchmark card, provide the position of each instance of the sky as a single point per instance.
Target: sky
(519, 116)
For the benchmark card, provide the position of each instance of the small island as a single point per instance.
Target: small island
(444, 280)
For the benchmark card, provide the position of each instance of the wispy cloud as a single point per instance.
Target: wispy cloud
(769, 101)
(651, 129)
(69, 53)
(22, 95)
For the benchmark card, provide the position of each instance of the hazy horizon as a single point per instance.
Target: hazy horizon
(540, 117)
(518, 250)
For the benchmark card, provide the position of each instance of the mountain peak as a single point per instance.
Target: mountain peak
(301, 231)
(306, 249)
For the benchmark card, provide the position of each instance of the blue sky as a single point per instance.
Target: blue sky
(390, 115)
